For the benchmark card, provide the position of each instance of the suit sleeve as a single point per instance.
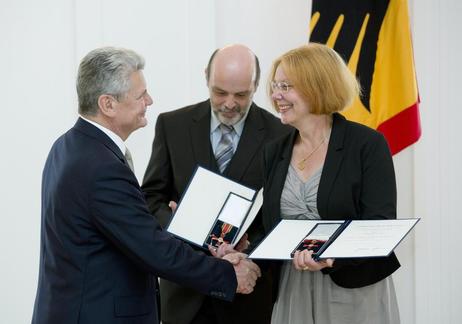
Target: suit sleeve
(119, 211)
(271, 195)
(158, 179)
(377, 198)
(378, 188)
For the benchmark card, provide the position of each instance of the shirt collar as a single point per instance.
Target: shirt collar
(113, 136)
(238, 127)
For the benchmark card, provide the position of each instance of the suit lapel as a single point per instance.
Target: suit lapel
(200, 136)
(250, 143)
(92, 131)
(279, 175)
(334, 158)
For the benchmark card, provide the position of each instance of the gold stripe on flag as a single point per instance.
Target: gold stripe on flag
(374, 39)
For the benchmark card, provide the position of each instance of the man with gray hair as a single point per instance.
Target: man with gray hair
(101, 250)
(226, 134)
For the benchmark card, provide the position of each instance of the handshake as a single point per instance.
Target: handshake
(247, 272)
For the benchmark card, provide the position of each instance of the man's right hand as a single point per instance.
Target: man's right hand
(247, 272)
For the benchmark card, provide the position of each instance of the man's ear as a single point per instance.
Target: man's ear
(206, 74)
(256, 84)
(106, 105)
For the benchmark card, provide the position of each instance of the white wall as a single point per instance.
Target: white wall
(43, 41)
(438, 157)
(38, 103)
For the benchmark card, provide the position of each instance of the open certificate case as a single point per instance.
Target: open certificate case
(334, 239)
(214, 210)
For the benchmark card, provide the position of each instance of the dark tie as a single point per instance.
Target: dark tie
(224, 151)
(129, 159)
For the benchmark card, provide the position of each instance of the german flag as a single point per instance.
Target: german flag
(374, 38)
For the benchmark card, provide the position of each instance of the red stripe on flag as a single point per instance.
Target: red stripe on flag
(403, 129)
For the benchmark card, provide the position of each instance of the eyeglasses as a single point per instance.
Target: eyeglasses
(281, 86)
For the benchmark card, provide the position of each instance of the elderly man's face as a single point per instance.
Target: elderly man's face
(231, 93)
(131, 109)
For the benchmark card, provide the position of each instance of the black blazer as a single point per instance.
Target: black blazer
(357, 182)
(182, 141)
(100, 247)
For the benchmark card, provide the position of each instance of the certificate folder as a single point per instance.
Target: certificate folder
(334, 239)
(214, 210)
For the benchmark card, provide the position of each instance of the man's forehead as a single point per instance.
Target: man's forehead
(231, 86)
(232, 78)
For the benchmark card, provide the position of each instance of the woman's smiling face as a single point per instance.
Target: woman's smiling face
(292, 107)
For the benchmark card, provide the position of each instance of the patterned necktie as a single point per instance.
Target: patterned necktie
(129, 159)
(224, 151)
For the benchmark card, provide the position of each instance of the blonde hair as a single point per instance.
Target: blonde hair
(320, 76)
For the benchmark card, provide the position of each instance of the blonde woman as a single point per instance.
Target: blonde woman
(327, 168)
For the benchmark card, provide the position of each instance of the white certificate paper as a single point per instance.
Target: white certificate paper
(234, 210)
(283, 239)
(205, 199)
(358, 239)
(257, 203)
(369, 238)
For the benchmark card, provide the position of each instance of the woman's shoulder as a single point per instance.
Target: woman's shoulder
(357, 132)
(361, 138)
(281, 142)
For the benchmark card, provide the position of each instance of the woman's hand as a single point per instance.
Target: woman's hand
(303, 261)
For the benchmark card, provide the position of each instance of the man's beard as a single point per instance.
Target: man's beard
(239, 114)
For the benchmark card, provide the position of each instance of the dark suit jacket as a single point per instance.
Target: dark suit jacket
(100, 246)
(182, 141)
(357, 182)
